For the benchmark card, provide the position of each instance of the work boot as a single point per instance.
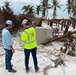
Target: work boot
(27, 71)
(36, 70)
(12, 70)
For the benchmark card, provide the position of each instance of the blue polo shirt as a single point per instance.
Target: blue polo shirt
(6, 38)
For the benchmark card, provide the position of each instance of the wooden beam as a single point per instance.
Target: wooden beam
(56, 38)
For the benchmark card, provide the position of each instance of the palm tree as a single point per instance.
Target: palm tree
(28, 9)
(6, 7)
(7, 4)
(43, 8)
(69, 6)
(38, 9)
(55, 4)
(6, 10)
(73, 8)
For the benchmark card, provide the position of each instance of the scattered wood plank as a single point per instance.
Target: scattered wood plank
(53, 39)
(56, 21)
(46, 68)
(73, 18)
(56, 38)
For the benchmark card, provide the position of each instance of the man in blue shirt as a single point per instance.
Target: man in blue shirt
(7, 44)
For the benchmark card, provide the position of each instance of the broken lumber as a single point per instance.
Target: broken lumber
(56, 38)
(53, 39)
(73, 18)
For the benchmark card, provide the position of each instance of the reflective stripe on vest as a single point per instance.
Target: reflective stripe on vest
(29, 39)
(23, 41)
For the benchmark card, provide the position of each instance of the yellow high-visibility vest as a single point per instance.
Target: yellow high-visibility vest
(28, 38)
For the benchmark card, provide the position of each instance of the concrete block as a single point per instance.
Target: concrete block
(43, 34)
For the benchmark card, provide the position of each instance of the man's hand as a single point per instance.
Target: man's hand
(13, 51)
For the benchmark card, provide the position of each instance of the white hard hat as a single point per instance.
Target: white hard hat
(9, 22)
(24, 21)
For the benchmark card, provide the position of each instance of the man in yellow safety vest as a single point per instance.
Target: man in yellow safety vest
(28, 39)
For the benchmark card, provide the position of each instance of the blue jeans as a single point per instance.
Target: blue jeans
(27, 54)
(8, 57)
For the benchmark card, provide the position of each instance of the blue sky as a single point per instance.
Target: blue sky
(17, 5)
